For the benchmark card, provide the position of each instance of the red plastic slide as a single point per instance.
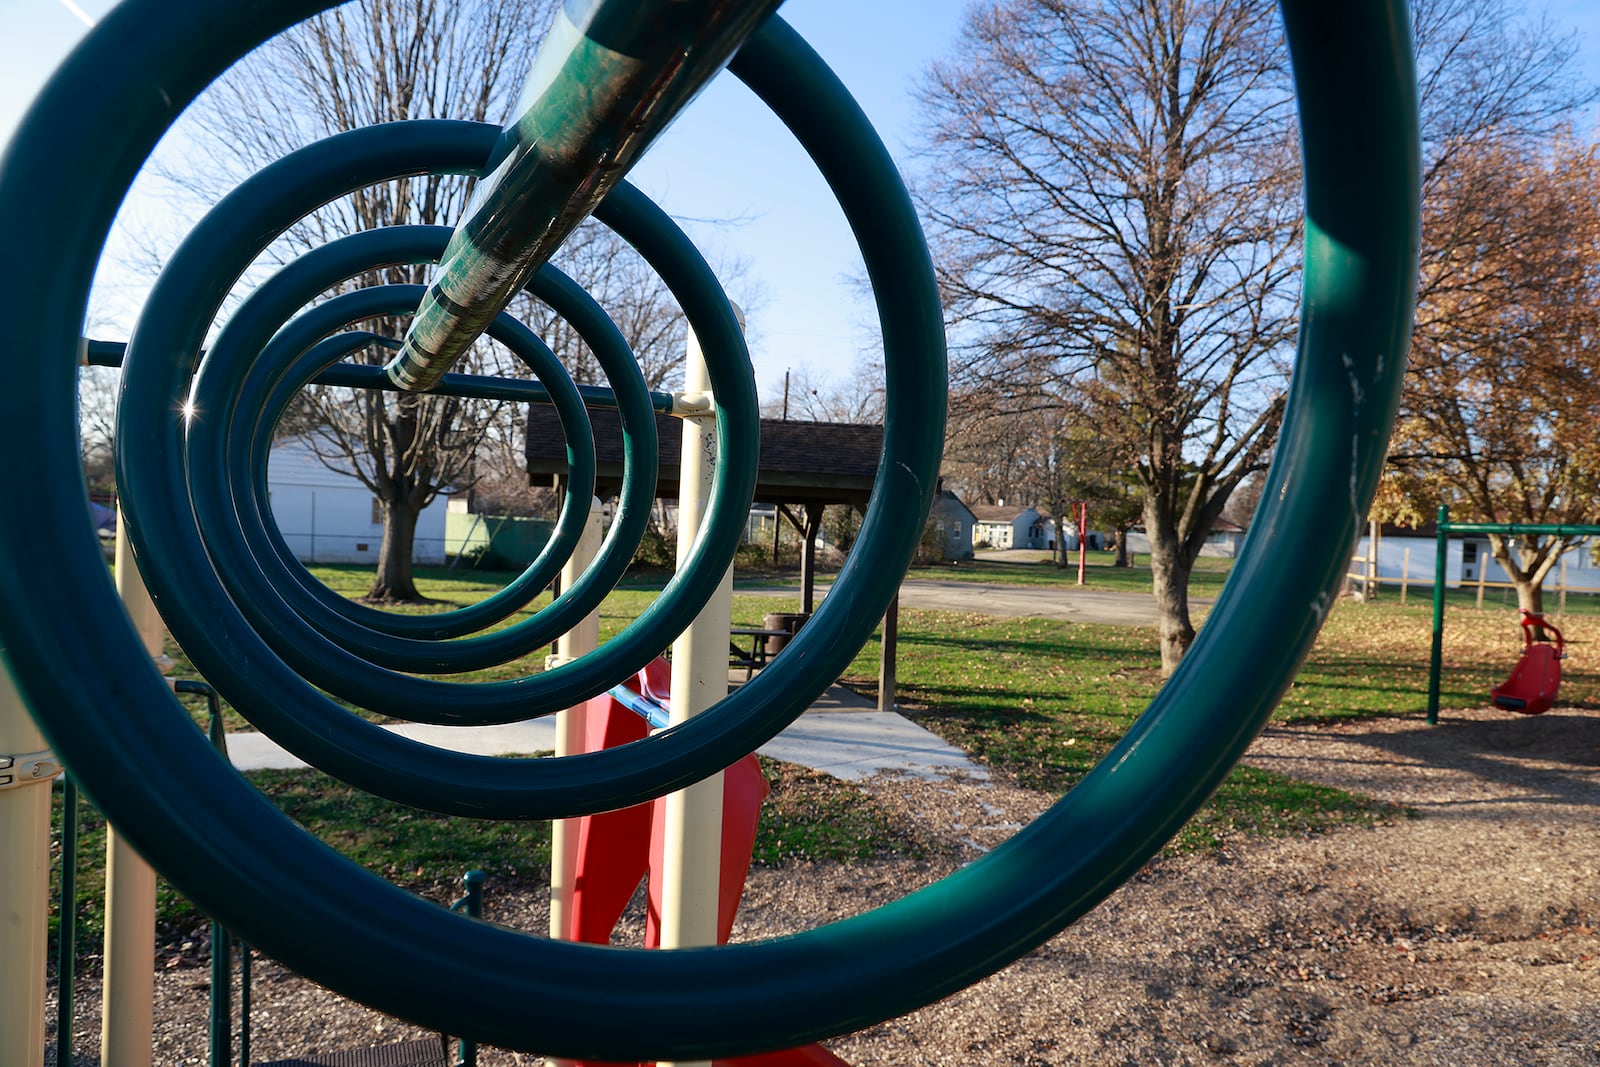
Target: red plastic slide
(617, 849)
(1532, 687)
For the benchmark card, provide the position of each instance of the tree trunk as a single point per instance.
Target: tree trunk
(1527, 580)
(1061, 542)
(1122, 560)
(1169, 573)
(1530, 598)
(394, 582)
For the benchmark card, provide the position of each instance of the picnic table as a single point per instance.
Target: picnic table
(757, 654)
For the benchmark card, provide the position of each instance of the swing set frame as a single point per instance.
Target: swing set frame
(1445, 528)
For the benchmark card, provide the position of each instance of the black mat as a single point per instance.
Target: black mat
(429, 1052)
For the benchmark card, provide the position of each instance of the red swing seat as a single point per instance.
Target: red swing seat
(1534, 681)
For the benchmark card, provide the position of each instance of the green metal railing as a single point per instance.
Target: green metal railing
(222, 943)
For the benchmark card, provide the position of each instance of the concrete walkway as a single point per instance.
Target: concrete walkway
(842, 734)
(1066, 602)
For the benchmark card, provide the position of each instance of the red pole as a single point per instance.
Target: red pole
(1083, 542)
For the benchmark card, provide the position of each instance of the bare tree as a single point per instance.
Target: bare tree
(373, 61)
(992, 439)
(635, 297)
(808, 395)
(1048, 450)
(1112, 199)
(97, 405)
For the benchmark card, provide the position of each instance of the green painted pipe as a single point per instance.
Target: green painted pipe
(228, 449)
(476, 386)
(154, 386)
(1436, 654)
(228, 456)
(1511, 529)
(248, 493)
(608, 79)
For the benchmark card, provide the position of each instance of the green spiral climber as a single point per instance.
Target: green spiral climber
(281, 649)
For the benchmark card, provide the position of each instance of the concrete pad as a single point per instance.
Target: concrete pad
(841, 735)
(859, 744)
(257, 751)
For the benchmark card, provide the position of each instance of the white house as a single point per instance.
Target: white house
(327, 516)
(1007, 526)
(1413, 553)
(1224, 540)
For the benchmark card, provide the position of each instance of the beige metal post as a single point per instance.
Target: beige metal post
(692, 845)
(571, 725)
(25, 776)
(128, 990)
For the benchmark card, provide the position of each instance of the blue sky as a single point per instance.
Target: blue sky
(727, 158)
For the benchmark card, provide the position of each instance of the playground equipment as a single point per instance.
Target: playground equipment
(1534, 681)
(617, 77)
(1537, 675)
(618, 848)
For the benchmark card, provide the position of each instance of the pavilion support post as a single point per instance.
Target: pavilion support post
(888, 655)
(808, 558)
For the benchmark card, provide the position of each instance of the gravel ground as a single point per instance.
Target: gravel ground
(1464, 936)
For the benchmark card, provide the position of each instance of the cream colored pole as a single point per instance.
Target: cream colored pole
(26, 771)
(692, 846)
(571, 725)
(128, 990)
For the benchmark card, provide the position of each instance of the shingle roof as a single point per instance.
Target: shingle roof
(996, 512)
(800, 462)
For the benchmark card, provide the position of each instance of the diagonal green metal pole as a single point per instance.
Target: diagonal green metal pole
(610, 77)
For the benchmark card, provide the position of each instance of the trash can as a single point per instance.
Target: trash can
(787, 621)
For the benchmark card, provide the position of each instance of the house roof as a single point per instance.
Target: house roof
(947, 499)
(999, 512)
(800, 462)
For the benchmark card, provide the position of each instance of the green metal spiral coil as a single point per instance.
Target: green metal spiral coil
(88, 681)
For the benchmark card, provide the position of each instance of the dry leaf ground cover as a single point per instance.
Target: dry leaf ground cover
(1429, 898)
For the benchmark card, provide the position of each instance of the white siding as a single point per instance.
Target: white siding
(328, 517)
(1582, 574)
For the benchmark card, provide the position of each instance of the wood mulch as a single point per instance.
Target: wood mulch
(1465, 935)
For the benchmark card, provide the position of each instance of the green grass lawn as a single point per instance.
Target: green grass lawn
(1204, 581)
(1036, 699)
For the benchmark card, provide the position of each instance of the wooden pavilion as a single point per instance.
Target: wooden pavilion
(804, 467)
